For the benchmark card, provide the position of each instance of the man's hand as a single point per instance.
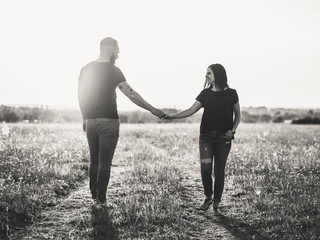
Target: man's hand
(160, 114)
(84, 126)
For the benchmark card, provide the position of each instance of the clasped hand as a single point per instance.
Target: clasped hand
(160, 114)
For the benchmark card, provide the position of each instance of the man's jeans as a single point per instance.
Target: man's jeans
(102, 135)
(214, 148)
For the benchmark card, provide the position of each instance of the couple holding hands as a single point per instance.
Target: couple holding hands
(98, 81)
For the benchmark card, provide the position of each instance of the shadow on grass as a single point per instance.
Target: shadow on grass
(239, 229)
(102, 223)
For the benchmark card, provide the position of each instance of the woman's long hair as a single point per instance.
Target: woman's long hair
(220, 77)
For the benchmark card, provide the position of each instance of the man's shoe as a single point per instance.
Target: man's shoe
(206, 204)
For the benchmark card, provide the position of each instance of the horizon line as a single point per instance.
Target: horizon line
(136, 108)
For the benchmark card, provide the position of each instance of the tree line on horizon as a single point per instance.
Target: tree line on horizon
(10, 114)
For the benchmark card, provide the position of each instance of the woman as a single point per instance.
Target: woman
(217, 129)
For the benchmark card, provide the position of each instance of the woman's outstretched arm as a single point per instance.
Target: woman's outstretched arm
(185, 113)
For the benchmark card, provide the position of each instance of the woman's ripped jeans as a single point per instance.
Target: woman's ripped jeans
(214, 151)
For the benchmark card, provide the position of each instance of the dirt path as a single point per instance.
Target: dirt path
(76, 216)
(60, 221)
(206, 225)
(70, 216)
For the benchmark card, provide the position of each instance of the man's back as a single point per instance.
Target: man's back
(97, 99)
(97, 84)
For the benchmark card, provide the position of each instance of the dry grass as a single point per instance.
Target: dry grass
(272, 180)
(38, 164)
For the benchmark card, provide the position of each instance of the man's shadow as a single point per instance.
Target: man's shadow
(102, 225)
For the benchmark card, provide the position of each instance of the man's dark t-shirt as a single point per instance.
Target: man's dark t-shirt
(218, 109)
(98, 81)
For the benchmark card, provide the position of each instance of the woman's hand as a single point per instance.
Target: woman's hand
(229, 134)
(186, 113)
(84, 126)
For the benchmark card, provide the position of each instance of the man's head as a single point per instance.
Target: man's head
(109, 48)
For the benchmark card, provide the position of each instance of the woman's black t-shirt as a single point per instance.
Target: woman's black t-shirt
(218, 109)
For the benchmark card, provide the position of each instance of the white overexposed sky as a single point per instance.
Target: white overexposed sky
(270, 49)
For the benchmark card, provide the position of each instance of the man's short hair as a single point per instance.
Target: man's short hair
(108, 42)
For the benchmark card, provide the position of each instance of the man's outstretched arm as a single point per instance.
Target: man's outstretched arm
(138, 100)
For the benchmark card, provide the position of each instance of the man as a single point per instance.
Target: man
(97, 99)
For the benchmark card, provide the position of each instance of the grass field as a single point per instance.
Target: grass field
(272, 188)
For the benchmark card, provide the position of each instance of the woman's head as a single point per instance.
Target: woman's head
(217, 76)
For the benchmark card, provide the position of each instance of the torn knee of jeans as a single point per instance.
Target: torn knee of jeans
(206, 160)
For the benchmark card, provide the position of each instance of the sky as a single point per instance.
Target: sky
(269, 48)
